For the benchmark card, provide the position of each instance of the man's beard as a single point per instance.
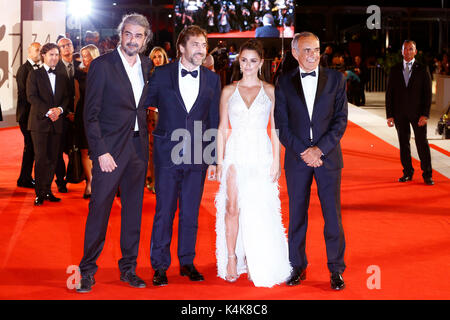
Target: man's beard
(193, 61)
(131, 52)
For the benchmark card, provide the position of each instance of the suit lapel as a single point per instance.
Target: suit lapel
(145, 66)
(122, 74)
(202, 87)
(412, 76)
(46, 79)
(296, 81)
(321, 83)
(175, 83)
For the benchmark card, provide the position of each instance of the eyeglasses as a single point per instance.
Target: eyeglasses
(65, 45)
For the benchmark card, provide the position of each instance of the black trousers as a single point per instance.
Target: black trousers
(28, 154)
(329, 191)
(130, 177)
(46, 146)
(402, 124)
(60, 171)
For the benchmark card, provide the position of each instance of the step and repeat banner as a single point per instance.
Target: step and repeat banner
(49, 19)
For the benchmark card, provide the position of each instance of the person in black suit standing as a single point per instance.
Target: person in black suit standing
(47, 93)
(187, 97)
(268, 30)
(66, 66)
(408, 102)
(23, 111)
(311, 115)
(116, 130)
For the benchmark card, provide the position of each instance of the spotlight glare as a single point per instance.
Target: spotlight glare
(79, 8)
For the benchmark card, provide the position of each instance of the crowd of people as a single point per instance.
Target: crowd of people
(107, 104)
(239, 15)
(121, 109)
(47, 155)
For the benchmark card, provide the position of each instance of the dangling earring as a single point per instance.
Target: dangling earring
(259, 71)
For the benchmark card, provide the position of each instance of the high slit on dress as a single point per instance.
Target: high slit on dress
(261, 245)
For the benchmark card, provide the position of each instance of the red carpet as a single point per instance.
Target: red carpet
(401, 228)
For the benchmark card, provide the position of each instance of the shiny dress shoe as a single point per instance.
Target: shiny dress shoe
(296, 277)
(132, 279)
(39, 201)
(428, 181)
(86, 284)
(62, 188)
(405, 178)
(26, 184)
(160, 278)
(190, 271)
(50, 197)
(337, 282)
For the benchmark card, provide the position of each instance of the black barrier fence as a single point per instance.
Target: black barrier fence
(377, 79)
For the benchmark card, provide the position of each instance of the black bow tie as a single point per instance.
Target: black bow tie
(51, 71)
(304, 74)
(35, 66)
(194, 73)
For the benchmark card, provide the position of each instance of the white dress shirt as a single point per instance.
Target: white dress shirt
(33, 63)
(189, 86)
(136, 78)
(52, 78)
(309, 85)
(405, 63)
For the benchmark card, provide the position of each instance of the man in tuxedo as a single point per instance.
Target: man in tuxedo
(116, 130)
(47, 93)
(408, 101)
(66, 66)
(311, 116)
(23, 111)
(187, 97)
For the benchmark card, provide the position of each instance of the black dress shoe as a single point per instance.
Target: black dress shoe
(39, 201)
(26, 184)
(86, 284)
(337, 282)
(62, 188)
(190, 271)
(132, 279)
(405, 178)
(160, 278)
(428, 181)
(296, 277)
(50, 197)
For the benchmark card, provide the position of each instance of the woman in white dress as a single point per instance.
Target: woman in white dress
(250, 234)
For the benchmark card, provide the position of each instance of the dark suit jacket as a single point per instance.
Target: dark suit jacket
(165, 94)
(23, 106)
(61, 68)
(40, 95)
(267, 32)
(110, 108)
(413, 101)
(329, 118)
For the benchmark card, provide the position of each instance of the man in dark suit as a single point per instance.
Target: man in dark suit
(187, 97)
(116, 130)
(311, 116)
(408, 101)
(47, 93)
(66, 66)
(267, 30)
(23, 111)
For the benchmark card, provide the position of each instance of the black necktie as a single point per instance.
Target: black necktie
(304, 74)
(194, 73)
(70, 69)
(51, 71)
